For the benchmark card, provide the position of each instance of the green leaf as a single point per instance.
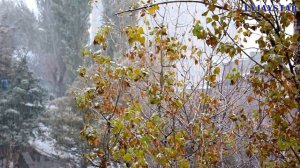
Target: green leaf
(127, 157)
(82, 72)
(178, 103)
(198, 31)
(215, 17)
(283, 145)
(217, 70)
(184, 47)
(212, 7)
(208, 20)
(205, 13)
(184, 164)
(233, 117)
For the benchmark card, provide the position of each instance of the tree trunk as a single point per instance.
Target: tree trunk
(10, 156)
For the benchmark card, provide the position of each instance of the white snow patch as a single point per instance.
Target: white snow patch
(44, 144)
(52, 107)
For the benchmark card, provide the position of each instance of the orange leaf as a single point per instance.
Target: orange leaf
(250, 99)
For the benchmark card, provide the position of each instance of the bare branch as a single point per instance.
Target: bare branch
(169, 2)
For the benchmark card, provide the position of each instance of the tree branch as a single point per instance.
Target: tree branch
(169, 2)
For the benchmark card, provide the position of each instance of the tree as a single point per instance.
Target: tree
(5, 50)
(65, 121)
(63, 32)
(20, 94)
(116, 46)
(20, 106)
(155, 113)
(16, 32)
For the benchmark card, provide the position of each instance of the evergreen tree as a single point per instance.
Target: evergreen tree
(65, 122)
(20, 105)
(5, 50)
(64, 32)
(18, 89)
(17, 24)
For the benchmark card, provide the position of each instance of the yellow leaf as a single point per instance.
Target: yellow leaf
(236, 37)
(211, 78)
(217, 70)
(140, 31)
(82, 72)
(184, 164)
(152, 9)
(127, 157)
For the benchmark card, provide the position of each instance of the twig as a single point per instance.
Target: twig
(168, 2)
(295, 153)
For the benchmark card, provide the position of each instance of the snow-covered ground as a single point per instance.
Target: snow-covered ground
(45, 144)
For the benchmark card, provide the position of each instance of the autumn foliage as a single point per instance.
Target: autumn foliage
(149, 108)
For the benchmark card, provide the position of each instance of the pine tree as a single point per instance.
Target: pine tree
(18, 89)
(20, 105)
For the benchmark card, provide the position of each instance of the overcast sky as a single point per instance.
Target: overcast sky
(31, 5)
(251, 41)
